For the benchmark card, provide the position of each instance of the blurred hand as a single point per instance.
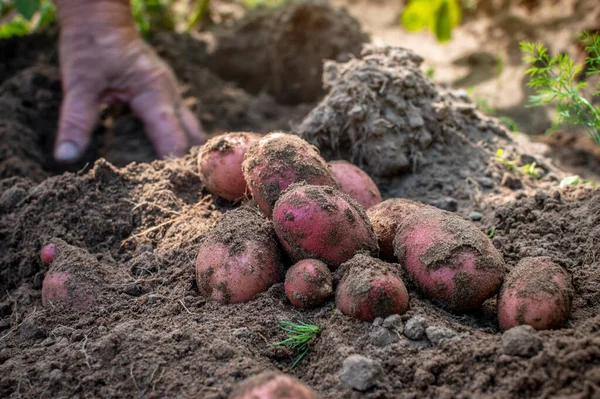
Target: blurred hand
(104, 59)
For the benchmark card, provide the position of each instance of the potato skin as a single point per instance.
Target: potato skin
(308, 283)
(370, 289)
(356, 183)
(319, 222)
(451, 260)
(239, 258)
(67, 289)
(48, 253)
(385, 218)
(220, 164)
(271, 385)
(537, 292)
(276, 161)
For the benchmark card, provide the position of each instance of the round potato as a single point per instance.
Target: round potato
(356, 183)
(537, 292)
(308, 283)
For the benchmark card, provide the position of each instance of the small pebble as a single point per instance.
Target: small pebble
(360, 373)
(378, 321)
(476, 216)
(437, 334)
(521, 341)
(445, 203)
(415, 328)
(242, 332)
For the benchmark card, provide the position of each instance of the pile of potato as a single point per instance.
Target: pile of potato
(323, 230)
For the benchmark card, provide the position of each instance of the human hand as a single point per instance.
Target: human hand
(104, 59)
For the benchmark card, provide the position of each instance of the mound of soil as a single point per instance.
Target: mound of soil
(155, 336)
(281, 50)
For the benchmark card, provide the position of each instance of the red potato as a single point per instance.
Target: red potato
(369, 289)
(67, 289)
(48, 254)
(276, 161)
(318, 222)
(354, 182)
(220, 164)
(451, 260)
(270, 385)
(239, 258)
(308, 283)
(385, 218)
(537, 292)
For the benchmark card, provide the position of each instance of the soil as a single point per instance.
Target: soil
(139, 223)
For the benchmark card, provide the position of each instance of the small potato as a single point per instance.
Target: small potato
(354, 182)
(319, 222)
(449, 258)
(537, 292)
(48, 254)
(270, 385)
(67, 289)
(276, 161)
(385, 218)
(369, 289)
(308, 283)
(220, 164)
(239, 258)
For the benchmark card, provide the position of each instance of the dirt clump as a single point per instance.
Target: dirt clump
(281, 50)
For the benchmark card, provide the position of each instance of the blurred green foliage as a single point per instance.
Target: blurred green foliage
(439, 16)
(29, 16)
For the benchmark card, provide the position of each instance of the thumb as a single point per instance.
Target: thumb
(78, 114)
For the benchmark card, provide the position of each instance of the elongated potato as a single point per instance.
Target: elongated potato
(220, 164)
(385, 218)
(276, 161)
(356, 183)
(449, 258)
(537, 292)
(319, 222)
(369, 288)
(239, 258)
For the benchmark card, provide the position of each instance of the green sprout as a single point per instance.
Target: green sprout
(576, 180)
(439, 16)
(492, 232)
(529, 169)
(554, 79)
(299, 335)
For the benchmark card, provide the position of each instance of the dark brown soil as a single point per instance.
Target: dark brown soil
(154, 336)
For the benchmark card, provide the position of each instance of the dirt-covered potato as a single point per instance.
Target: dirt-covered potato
(319, 222)
(220, 164)
(276, 161)
(354, 182)
(385, 218)
(308, 283)
(271, 385)
(537, 292)
(238, 258)
(370, 288)
(449, 258)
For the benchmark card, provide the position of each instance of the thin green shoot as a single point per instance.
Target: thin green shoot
(554, 79)
(299, 335)
(492, 232)
(529, 169)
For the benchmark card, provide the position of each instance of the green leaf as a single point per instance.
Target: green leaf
(27, 8)
(17, 27)
(418, 15)
(443, 27)
(570, 181)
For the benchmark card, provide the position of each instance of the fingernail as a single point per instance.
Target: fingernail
(67, 152)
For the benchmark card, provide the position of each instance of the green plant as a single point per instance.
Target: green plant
(576, 180)
(299, 335)
(262, 3)
(529, 169)
(30, 16)
(439, 16)
(492, 232)
(554, 79)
